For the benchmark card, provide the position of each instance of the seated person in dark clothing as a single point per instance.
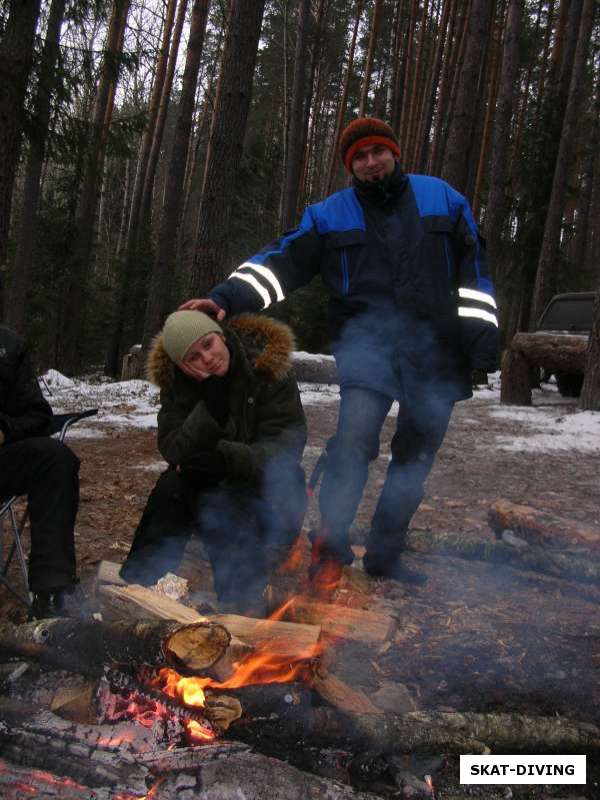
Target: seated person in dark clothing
(43, 469)
(232, 429)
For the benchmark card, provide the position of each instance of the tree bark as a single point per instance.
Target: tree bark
(295, 128)
(370, 57)
(546, 278)
(15, 309)
(515, 389)
(87, 646)
(590, 391)
(135, 213)
(457, 153)
(225, 145)
(16, 55)
(496, 209)
(158, 295)
(85, 215)
(563, 565)
(541, 528)
(341, 110)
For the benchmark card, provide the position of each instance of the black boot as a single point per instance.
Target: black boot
(48, 603)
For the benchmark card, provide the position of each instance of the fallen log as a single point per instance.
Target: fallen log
(541, 528)
(423, 732)
(554, 352)
(555, 563)
(527, 350)
(86, 646)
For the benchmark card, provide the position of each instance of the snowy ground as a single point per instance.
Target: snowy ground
(553, 423)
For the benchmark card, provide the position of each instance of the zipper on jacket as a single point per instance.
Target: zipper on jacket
(345, 276)
(448, 262)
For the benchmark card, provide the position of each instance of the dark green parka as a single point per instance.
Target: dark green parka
(265, 424)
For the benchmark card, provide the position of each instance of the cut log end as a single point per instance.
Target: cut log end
(196, 647)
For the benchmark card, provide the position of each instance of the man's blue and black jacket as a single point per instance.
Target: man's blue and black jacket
(404, 266)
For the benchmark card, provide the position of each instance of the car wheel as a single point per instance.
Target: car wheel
(569, 383)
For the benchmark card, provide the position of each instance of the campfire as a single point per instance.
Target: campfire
(158, 698)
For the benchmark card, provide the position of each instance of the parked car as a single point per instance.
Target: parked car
(568, 314)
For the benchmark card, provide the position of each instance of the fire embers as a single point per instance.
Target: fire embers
(176, 710)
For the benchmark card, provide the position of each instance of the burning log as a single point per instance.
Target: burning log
(559, 564)
(86, 646)
(135, 602)
(338, 621)
(287, 639)
(541, 527)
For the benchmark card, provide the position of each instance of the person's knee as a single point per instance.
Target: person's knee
(54, 455)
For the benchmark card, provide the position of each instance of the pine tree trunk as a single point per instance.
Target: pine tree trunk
(225, 145)
(15, 310)
(370, 57)
(85, 215)
(496, 209)
(341, 112)
(16, 54)
(457, 153)
(167, 237)
(546, 278)
(310, 88)
(423, 138)
(590, 391)
(161, 118)
(294, 147)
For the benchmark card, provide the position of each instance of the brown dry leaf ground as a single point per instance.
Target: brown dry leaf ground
(477, 636)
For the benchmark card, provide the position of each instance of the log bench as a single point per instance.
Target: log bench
(553, 352)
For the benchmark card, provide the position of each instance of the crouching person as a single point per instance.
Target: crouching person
(42, 468)
(232, 429)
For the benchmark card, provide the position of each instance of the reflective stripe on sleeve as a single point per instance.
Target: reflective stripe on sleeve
(242, 276)
(267, 274)
(480, 297)
(477, 313)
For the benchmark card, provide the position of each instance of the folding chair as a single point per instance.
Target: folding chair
(10, 534)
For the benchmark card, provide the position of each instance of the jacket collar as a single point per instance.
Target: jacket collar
(385, 192)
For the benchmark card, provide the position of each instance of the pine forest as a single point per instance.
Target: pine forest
(150, 146)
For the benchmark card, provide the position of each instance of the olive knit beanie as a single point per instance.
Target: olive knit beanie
(363, 132)
(183, 328)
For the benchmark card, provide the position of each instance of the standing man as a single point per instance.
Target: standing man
(46, 470)
(411, 313)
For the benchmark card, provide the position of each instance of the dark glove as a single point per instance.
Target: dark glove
(205, 468)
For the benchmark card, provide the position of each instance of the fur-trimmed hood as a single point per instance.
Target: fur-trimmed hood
(266, 343)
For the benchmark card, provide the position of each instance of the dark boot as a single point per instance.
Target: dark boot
(48, 603)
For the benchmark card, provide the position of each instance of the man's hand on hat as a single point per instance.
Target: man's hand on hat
(192, 370)
(206, 305)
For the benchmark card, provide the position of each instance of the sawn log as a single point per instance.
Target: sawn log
(87, 646)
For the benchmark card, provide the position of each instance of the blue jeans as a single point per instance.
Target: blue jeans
(420, 428)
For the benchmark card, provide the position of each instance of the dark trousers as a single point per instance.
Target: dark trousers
(237, 526)
(47, 472)
(420, 428)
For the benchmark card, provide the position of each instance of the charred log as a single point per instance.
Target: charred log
(556, 563)
(86, 646)
(420, 732)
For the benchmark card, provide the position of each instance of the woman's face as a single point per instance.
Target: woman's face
(208, 355)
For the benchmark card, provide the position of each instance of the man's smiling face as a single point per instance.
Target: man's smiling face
(373, 162)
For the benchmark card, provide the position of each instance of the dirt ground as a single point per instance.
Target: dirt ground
(478, 636)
